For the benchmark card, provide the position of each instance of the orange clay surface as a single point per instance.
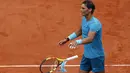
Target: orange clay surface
(31, 29)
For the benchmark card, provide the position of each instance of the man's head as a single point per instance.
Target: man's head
(87, 7)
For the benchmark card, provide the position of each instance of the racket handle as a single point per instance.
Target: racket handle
(73, 57)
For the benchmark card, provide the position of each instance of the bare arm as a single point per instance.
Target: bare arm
(92, 32)
(77, 34)
(91, 35)
(90, 38)
(79, 31)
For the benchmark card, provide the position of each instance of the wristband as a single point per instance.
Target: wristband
(72, 36)
(79, 41)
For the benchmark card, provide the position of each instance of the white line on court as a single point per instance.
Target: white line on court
(31, 66)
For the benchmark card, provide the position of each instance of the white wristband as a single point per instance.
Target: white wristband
(79, 41)
(72, 36)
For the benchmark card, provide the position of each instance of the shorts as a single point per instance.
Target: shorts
(94, 65)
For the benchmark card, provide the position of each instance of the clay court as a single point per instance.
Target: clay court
(31, 29)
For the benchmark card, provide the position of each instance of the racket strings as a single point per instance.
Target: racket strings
(49, 65)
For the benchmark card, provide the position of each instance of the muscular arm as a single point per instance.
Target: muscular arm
(91, 34)
(90, 38)
(79, 32)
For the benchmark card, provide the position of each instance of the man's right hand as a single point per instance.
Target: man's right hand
(62, 42)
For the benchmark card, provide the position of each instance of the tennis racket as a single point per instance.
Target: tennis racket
(51, 64)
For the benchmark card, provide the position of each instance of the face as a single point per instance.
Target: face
(84, 10)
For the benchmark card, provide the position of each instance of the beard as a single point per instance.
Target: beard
(85, 14)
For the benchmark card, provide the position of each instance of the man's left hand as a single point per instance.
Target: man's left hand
(73, 45)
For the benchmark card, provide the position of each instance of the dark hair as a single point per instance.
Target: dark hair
(89, 4)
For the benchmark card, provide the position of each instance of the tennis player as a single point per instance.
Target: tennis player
(91, 32)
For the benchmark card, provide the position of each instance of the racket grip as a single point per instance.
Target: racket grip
(73, 57)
